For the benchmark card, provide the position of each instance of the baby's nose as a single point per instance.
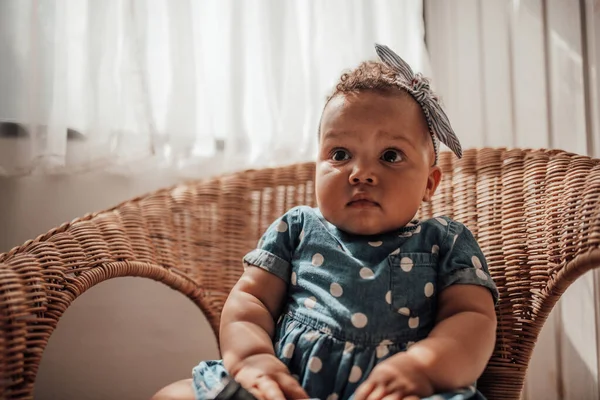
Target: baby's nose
(362, 180)
(362, 175)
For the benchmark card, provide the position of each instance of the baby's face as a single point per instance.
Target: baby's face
(374, 165)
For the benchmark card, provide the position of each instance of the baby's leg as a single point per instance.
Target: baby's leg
(180, 390)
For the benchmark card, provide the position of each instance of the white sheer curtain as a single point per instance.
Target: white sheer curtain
(199, 86)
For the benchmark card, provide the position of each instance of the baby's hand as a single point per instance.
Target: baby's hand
(267, 378)
(396, 378)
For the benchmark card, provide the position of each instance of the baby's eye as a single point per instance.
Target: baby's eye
(340, 155)
(392, 156)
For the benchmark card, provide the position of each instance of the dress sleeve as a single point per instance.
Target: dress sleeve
(276, 247)
(462, 261)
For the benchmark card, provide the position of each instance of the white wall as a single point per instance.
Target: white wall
(125, 338)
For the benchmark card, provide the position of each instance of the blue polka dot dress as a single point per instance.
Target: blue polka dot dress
(354, 301)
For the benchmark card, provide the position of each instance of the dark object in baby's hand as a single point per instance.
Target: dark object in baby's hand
(234, 391)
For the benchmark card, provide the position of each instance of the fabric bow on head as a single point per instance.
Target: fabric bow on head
(418, 87)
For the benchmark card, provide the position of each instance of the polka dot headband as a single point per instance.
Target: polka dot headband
(418, 87)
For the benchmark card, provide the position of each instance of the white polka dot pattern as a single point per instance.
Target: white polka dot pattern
(288, 350)
(348, 347)
(382, 351)
(428, 289)
(315, 364)
(366, 273)
(310, 302)
(404, 311)
(311, 336)
(291, 326)
(336, 289)
(363, 317)
(406, 264)
(317, 260)
(282, 227)
(294, 279)
(481, 274)
(359, 320)
(413, 323)
(355, 374)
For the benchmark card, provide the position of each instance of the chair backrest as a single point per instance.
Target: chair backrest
(536, 215)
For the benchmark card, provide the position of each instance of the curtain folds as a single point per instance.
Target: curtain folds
(197, 86)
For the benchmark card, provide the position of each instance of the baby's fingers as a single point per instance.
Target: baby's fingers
(370, 390)
(364, 390)
(398, 396)
(379, 392)
(267, 389)
(291, 388)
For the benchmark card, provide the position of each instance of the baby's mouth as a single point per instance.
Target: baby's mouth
(362, 203)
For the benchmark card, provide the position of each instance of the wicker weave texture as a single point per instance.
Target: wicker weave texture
(536, 215)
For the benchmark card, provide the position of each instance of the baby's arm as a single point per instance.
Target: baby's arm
(453, 355)
(246, 332)
(247, 321)
(458, 348)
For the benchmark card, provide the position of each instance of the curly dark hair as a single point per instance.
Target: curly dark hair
(369, 75)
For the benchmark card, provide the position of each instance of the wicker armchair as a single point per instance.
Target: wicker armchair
(536, 215)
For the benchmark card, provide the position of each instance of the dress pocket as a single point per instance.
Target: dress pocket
(414, 285)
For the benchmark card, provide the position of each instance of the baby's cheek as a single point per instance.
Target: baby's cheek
(329, 186)
(329, 174)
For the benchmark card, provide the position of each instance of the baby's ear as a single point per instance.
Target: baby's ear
(433, 180)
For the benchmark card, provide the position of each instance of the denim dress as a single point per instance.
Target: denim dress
(353, 301)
